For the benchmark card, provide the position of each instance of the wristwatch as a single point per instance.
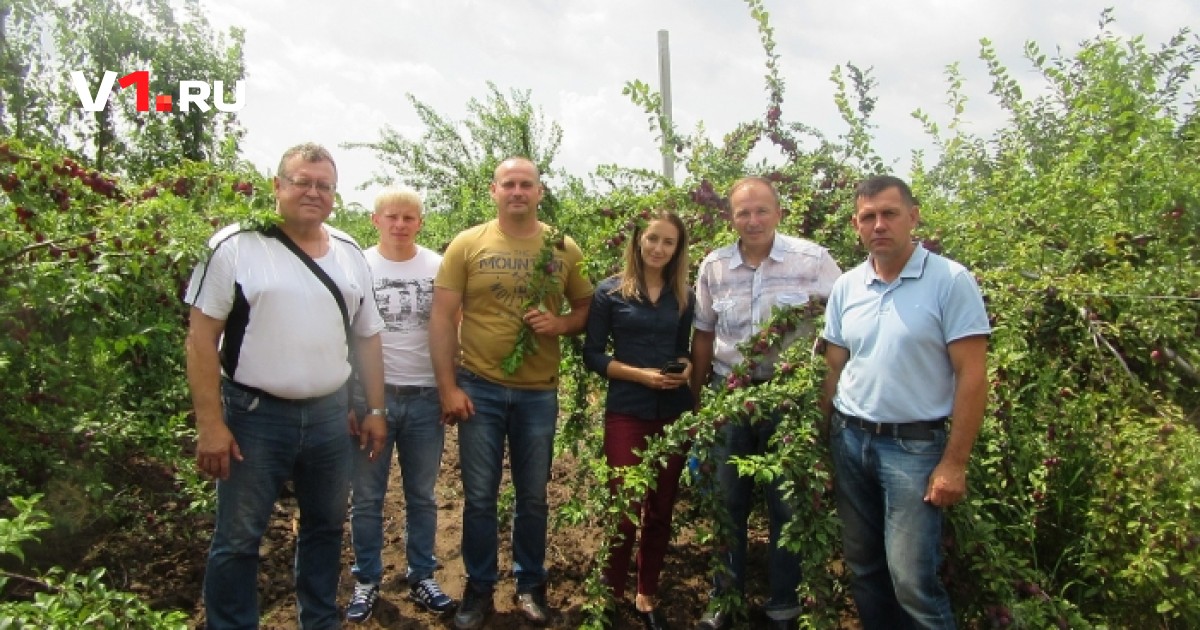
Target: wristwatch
(377, 412)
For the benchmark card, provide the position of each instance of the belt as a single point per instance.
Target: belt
(918, 430)
(254, 391)
(406, 390)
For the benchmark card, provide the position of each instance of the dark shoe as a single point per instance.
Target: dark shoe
(362, 602)
(532, 604)
(715, 620)
(429, 594)
(782, 624)
(652, 619)
(475, 608)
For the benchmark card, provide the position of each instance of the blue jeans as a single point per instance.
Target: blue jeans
(280, 440)
(527, 418)
(890, 535)
(416, 433)
(783, 567)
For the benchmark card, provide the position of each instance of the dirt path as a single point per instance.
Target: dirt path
(160, 556)
(570, 555)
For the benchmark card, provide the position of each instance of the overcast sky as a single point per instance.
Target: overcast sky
(335, 72)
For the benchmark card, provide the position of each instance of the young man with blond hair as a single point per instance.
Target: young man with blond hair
(403, 274)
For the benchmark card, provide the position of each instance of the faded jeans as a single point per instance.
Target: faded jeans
(890, 535)
(415, 432)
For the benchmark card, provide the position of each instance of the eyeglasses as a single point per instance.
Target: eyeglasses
(306, 185)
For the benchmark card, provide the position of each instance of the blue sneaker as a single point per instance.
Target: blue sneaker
(362, 602)
(428, 594)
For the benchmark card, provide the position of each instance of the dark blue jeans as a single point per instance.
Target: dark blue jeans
(527, 419)
(740, 438)
(280, 440)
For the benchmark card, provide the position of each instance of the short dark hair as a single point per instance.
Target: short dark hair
(311, 152)
(878, 183)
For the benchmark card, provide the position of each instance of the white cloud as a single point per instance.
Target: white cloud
(338, 72)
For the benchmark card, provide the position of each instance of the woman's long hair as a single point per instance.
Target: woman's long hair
(632, 276)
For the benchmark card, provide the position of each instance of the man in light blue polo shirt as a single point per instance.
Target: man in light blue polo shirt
(906, 343)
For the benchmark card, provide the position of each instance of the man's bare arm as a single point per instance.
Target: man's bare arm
(948, 482)
(214, 443)
(835, 360)
(576, 321)
(572, 323)
(372, 432)
(443, 349)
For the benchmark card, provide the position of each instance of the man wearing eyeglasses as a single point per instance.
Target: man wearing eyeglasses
(268, 364)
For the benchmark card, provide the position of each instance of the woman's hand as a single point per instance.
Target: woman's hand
(654, 378)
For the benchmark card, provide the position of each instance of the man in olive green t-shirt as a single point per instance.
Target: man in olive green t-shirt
(486, 275)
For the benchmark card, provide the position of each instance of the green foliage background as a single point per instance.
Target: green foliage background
(1080, 217)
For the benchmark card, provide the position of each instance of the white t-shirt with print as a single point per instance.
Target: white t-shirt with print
(404, 292)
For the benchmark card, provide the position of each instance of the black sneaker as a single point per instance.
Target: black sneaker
(783, 624)
(427, 593)
(475, 608)
(362, 602)
(532, 605)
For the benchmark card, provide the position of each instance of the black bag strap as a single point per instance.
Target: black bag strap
(312, 265)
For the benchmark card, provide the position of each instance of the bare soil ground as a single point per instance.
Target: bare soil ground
(161, 556)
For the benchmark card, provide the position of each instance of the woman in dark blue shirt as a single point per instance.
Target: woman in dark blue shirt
(646, 312)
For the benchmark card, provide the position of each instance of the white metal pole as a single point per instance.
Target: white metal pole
(664, 77)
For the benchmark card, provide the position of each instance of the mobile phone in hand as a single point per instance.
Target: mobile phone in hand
(674, 367)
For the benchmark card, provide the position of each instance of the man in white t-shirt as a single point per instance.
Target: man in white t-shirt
(274, 313)
(403, 279)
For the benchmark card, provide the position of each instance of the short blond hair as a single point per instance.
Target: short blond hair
(401, 196)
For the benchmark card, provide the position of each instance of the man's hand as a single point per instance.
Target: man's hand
(544, 322)
(456, 405)
(947, 485)
(372, 433)
(214, 446)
